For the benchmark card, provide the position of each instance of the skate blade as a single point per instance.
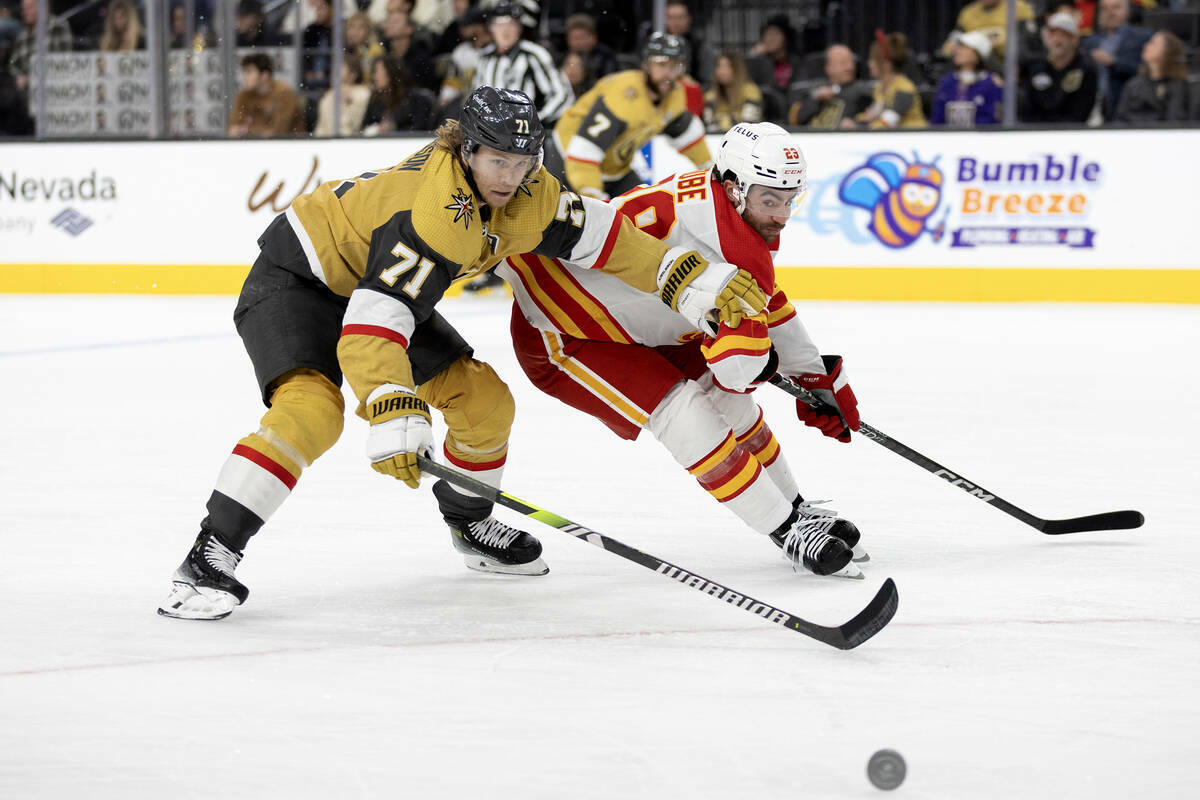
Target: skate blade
(861, 556)
(850, 571)
(189, 602)
(482, 564)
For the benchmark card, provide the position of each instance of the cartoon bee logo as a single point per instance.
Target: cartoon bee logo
(900, 196)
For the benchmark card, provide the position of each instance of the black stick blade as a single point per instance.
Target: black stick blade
(1111, 521)
(868, 622)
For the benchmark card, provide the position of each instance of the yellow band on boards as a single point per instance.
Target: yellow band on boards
(931, 284)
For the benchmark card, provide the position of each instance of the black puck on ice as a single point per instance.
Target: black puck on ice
(886, 769)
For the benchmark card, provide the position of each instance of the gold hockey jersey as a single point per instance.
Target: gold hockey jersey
(600, 133)
(394, 240)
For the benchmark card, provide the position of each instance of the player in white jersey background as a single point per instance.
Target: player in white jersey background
(623, 357)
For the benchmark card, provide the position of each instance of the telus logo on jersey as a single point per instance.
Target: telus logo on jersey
(65, 188)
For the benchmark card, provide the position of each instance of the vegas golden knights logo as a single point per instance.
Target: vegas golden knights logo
(463, 207)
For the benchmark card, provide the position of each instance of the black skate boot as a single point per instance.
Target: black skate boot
(204, 586)
(487, 544)
(491, 546)
(807, 541)
(844, 529)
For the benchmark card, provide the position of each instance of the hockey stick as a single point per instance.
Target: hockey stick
(1109, 521)
(866, 624)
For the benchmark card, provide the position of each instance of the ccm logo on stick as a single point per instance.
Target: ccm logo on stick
(966, 486)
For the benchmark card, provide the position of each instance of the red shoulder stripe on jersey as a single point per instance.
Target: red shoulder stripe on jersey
(474, 466)
(609, 242)
(375, 330)
(699, 139)
(270, 465)
(582, 160)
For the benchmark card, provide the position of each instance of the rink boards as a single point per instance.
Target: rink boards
(997, 216)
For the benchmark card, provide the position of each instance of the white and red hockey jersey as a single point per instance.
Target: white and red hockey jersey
(688, 209)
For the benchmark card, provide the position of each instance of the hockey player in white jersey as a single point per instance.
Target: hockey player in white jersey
(625, 358)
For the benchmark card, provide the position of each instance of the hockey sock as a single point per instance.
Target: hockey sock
(697, 436)
(761, 442)
(459, 504)
(305, 419)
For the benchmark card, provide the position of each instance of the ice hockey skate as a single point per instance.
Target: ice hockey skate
(847, 531)
(815, 539)
(204, 586)
(489, 545)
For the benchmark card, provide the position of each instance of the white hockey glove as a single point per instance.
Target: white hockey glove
(707, 293)
(400, 431)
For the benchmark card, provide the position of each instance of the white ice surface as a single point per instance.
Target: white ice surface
(369, 662)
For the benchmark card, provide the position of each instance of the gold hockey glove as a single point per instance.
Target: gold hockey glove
(400, 431)
(707, 293)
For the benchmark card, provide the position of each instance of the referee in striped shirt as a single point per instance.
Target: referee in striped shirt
(509, 62)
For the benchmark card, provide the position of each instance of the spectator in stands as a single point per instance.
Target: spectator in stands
(1159, 92)
(733, 98)
(355, 96)
(1062, 86)
(1116, 50)
(836, 104)
(894, 102)
(511, 62)
(677, 21)
(971, 95)
(58, 39)
(990, 17)
(362, 41)
(252, 29)
(464, 58)
(265, 106)
(401, 41)
(773, 61)
(122, 29)
(318, 46)
(179, 37)
(14, 105)
(582, 39)
(1085, 15)
(575, 70)
(397, 103)
(10, 26)
(451, 35)
(379, 10)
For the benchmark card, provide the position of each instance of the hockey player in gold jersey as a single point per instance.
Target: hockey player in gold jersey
(348, 279)
(600, 133)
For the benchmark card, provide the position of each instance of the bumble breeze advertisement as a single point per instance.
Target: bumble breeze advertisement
(1037, 199)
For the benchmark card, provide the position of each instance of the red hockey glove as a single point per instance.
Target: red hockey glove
(837, 413)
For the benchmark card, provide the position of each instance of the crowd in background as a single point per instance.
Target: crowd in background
(407, 64)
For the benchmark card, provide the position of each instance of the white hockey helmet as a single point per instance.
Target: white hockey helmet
(761, 153)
